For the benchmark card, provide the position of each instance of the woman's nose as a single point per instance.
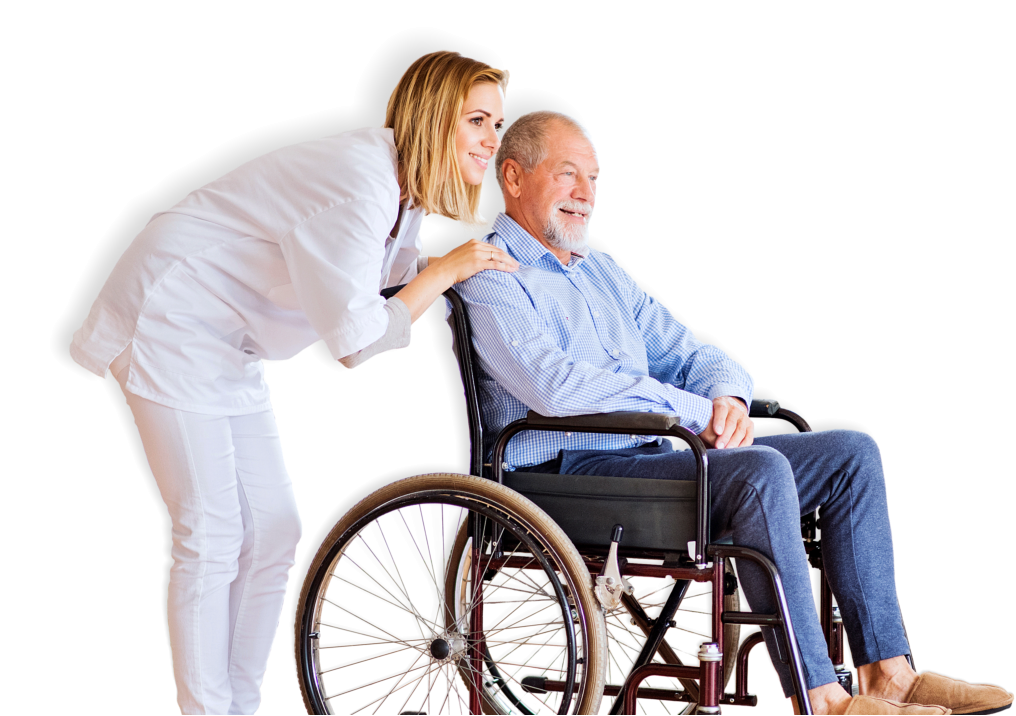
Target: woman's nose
(492, 140)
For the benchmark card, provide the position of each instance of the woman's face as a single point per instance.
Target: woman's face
(476, 139)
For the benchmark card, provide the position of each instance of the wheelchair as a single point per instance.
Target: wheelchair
(506, 592)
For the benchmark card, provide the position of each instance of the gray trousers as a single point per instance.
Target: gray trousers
(759, 494)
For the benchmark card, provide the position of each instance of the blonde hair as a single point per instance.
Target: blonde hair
(424, 112)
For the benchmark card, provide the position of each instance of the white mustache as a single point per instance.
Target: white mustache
(580, 207)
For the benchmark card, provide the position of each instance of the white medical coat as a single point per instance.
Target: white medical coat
(288, 249)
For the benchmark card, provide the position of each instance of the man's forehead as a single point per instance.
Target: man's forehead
(568, 146)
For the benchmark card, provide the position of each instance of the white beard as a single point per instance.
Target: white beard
(567, 236)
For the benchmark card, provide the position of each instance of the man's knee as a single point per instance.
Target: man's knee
(860, 454)
(764, 470)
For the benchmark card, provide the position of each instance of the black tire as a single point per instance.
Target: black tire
(381, 574)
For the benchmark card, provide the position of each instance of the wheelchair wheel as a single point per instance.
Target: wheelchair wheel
(624, 637)
(373, 632)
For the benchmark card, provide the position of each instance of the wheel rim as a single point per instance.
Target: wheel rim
(377, 633)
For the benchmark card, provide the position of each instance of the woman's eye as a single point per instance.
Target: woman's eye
(498, 126)
(478, 121)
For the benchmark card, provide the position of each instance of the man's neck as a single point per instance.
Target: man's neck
(563, 255)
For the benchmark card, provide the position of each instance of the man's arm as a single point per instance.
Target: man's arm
(676, 357)
(520, 352)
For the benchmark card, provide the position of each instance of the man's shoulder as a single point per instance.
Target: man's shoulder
(483, 283)
(602, 263)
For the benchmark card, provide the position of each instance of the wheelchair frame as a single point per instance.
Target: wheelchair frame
(704, 683)
(701, 571)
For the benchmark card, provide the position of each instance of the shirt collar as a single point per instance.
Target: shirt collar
(527, 250)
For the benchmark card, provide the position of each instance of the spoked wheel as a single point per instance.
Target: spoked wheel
(375, 631)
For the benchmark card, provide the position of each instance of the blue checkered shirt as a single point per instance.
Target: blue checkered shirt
(582, 338)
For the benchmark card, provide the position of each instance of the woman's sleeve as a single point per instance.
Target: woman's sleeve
(396, 336)
(334, 261)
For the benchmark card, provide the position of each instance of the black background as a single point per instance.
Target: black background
(822, 220)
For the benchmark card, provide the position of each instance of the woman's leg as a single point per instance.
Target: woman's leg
(234, 533)
(271, 528)
(191, 457)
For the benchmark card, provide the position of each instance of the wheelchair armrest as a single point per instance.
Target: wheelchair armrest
(626, 422)
(763, 409)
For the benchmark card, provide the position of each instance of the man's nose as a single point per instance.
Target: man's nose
(584, 189)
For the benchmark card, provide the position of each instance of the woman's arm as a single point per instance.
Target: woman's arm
(444, 272)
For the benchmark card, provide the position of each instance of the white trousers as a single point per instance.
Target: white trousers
(235, 529)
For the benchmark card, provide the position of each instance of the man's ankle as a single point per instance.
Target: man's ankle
(826, 699)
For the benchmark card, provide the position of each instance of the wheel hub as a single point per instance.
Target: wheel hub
(447, 647)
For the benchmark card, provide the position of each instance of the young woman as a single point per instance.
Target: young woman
(289, 249)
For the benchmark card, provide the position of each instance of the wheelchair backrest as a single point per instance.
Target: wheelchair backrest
(461, 346)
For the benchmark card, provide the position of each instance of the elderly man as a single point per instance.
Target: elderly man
(571, 333)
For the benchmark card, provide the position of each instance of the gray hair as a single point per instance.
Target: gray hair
(526, 140)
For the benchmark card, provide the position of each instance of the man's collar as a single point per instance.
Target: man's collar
(526, 249)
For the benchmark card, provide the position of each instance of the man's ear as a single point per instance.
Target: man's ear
(511, 173)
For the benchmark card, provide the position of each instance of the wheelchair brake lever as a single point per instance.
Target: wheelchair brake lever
(610, 585)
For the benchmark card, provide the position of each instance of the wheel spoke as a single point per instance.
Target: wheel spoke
(404, 608)
(382, 587)
(395, 688)
(361, 661)
(692, 631)
(395, 565)
(400, 675)
(395, 640)
(430, 568)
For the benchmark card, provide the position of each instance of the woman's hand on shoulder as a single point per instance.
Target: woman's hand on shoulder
(470, 258)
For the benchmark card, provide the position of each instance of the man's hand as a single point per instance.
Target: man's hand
(730, 426)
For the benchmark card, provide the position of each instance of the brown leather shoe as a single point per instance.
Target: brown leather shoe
(873, 706)
(961, 697)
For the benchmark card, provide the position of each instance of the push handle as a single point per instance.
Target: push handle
(615, 535)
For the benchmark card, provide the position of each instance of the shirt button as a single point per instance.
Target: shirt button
(615, 353)
(515, 343)
(596, 314)
(567, 435)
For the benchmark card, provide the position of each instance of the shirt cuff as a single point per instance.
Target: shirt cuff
(397, 335)
(735, 391)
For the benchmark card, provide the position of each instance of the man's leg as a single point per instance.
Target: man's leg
(754, 498)
(840, 471)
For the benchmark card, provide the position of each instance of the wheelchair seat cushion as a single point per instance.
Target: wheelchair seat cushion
(655, 514)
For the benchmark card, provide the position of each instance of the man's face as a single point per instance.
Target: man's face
(560, 193)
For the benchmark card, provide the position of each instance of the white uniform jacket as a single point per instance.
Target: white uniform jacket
(288, 249)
